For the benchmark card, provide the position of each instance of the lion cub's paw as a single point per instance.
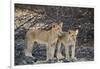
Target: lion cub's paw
(74, 59)
(59, 56)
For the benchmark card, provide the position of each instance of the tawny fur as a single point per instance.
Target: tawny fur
(67, 39)
(43, 37)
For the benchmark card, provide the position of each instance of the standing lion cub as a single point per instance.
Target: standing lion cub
(49, 38)
(68, 39)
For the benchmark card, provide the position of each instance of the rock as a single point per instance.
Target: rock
(85, 52)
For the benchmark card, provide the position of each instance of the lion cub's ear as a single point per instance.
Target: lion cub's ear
(54, 25)
(61, 24)
(69, 32)
(77, 31)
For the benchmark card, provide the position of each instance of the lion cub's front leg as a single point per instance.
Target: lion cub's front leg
(58, 53)
(73, 53)
(50, 52)
(67, 56)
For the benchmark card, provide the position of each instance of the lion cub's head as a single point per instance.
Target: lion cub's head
(72, 34)
(57, 27)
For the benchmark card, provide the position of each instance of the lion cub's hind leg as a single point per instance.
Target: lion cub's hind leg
(29, 48)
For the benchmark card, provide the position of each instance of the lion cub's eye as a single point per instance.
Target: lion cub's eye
(72, 35)
(58, 28)
(53, 26)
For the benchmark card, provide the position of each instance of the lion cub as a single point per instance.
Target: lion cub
(49, 38)
(67, 39)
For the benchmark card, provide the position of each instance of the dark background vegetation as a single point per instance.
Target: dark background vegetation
(82, 18)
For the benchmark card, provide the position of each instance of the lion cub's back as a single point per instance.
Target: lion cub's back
(37, 34)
